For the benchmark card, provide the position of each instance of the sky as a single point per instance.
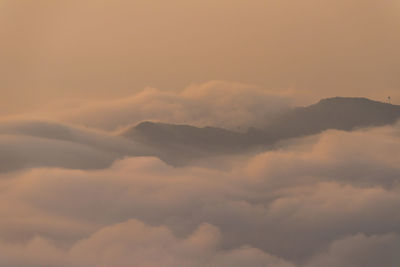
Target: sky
(97, 49)
(155, 133)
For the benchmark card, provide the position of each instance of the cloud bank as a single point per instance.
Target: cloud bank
(326, 200)
(217, 103)
(35, 143)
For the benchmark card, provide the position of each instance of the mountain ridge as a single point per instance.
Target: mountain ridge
(187, 142)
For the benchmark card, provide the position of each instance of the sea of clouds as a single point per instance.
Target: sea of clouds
(76, 196)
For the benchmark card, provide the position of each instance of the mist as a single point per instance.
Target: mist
(199, 133)
(91, 49)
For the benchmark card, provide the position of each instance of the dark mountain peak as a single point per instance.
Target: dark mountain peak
(341, 100)
(207, 137)
(178, 143)
(149, 127)
(341, 113)
(354, 101)
(145, 124)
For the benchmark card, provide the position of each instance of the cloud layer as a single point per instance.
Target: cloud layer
(35, 143)
(326, 200)
(222, 104)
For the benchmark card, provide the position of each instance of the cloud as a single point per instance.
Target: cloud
(135, 243)
(34, 143)
(301, 204)
(361, 250)
(73, 193)
(132, 242)
(215, 103)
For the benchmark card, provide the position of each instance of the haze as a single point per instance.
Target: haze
(101, 49)
(214, 133)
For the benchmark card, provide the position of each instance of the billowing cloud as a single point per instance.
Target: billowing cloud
(361, 250)
(35, 143)
(134, 243)
(217, 103)
(319, 201)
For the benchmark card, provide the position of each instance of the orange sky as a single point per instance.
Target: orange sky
(95, 49)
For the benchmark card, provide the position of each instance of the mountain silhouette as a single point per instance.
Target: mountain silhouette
(340, 113)
(179, 144)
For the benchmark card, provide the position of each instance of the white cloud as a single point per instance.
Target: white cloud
(217, 103)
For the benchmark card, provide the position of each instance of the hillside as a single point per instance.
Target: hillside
(178, 144)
